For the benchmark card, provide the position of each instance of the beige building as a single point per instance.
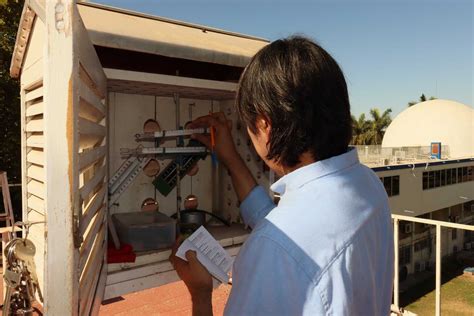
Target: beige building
(422, 186)
(445, 121)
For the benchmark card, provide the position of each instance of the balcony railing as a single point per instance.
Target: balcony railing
(376, 155)
(438, 224)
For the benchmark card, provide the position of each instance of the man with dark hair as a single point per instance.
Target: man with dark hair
(327, 248)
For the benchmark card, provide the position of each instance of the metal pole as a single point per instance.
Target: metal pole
(438, 270)
(178, 160)
(396, 299)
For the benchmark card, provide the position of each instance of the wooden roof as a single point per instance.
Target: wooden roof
(132, 31)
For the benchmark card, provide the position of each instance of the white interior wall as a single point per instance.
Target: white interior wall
(127, 114)
(230, 203)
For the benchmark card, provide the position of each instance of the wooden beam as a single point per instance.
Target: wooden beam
(96, 224)
(61, 142)
(95, 234)
(89, 62)
(36, 188)
(34, 94)
(89, 187)
(88, 284)
(140, 284)
(139, 272)
(97, 204)
(35, 82)
(35, 140)
(32, 76)
(35, 156)
(99, 293)
(35, 125)
(126, 75)
(89, 112)
(88, 157)
(36, 204)
(88, 95)
(34, 109)
(36, 172)
(87, 127)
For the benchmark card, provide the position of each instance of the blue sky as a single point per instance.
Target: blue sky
(390, 51)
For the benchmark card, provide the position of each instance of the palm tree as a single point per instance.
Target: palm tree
(360, 128)
(377, 126)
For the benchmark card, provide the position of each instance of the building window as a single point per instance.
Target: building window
(431, 180)
(443, 177)
(470, 173)
(404, 255)
(391, 185)
(387, 183)
(468, 208)
(422, 244)
(454, 234)
(453, 175)
(468, 236)
(448, 177)
(439, 178)
(395, 185)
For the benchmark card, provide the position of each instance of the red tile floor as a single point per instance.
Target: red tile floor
(171, 299)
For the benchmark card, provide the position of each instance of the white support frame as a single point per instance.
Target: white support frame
(144, 77)
(438, 225)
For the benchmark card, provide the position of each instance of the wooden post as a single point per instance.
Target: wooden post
(60, 128)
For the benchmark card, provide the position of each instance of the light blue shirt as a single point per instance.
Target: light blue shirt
(326, 249)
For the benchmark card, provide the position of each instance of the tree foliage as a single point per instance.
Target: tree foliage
(360, 127)
(422, 99)
(10, 141)
(370, 131)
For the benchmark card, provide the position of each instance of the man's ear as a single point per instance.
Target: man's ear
(263, 126)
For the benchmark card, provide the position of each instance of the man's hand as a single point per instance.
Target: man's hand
(242, 179)
(224, 144)
(197, 279)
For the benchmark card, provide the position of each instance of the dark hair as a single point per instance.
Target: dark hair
(300, 88)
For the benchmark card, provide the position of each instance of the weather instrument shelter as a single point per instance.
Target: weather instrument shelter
(95, 81)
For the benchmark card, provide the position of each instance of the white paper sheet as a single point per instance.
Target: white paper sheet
(209, 252)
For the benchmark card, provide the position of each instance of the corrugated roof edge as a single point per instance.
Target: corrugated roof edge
(153, 17)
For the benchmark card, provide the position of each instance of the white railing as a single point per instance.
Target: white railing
(376, 155)
(438, 224)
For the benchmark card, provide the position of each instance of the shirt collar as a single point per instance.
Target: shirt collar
(299, 177)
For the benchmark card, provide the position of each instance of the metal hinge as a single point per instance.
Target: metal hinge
(78, 239)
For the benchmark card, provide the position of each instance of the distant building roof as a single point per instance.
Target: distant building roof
(445, 121)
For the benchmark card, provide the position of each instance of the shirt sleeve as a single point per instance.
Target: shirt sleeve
(256, 205)
(268, 281)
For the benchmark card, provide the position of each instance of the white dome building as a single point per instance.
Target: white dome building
(445, 121)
